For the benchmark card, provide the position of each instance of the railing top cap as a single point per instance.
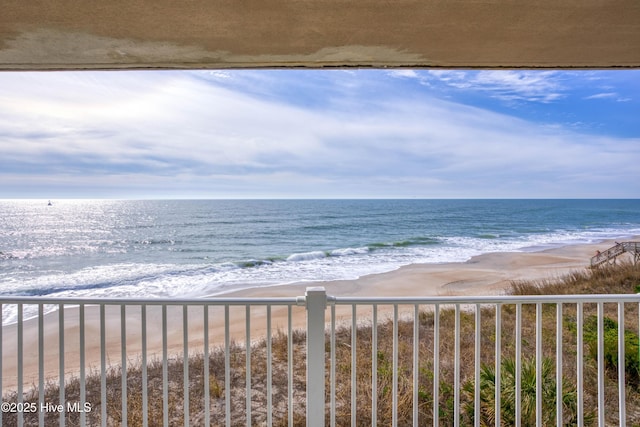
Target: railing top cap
(149, 301)
(339, 300)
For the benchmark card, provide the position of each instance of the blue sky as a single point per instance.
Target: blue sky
(320, 134)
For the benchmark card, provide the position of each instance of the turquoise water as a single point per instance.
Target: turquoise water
(193, 248)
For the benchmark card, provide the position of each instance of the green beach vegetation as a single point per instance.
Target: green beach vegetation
(620, 279)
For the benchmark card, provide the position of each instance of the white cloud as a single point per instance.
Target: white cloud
(173, 134)
(532, 86)
(404, 74)
(602, 95)
(609, 95)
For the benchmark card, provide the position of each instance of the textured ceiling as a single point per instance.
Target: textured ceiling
(133, 34)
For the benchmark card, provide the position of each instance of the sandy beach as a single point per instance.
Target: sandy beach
(487, 274)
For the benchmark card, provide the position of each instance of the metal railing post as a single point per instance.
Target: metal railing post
(316, 303)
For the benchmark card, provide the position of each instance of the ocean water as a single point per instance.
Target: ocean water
(181, 248)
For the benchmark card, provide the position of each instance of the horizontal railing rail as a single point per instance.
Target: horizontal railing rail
(323, 360)
(151, 301)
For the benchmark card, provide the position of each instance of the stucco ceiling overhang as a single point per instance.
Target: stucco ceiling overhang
(168, 34)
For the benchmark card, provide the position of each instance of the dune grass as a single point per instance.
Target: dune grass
(620, 279)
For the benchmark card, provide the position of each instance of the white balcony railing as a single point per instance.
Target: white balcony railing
(291, 361)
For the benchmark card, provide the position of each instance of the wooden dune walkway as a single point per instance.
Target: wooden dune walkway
(610, 255)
